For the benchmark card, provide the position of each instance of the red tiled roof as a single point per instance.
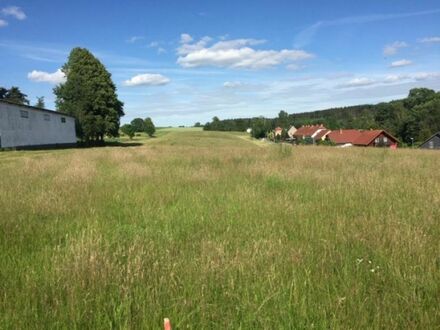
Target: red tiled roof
(357, 137)
(307, 130)
(321, 134)
(342, 136)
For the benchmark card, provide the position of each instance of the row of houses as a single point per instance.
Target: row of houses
(315, 134)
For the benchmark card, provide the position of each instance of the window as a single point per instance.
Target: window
(46, 117)
(431, 144)
(63, 119)
(385, 139)
(24, 114)
(376, 140)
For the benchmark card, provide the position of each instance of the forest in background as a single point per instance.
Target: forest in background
(412, 119)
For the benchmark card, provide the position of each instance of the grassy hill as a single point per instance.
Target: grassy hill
(214, 230)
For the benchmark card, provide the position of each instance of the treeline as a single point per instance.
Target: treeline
(414, 118)
(15, 95)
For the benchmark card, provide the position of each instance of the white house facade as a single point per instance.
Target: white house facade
(25, 126)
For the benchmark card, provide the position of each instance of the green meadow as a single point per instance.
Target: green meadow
(217, 231)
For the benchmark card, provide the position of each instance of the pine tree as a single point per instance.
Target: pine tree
(14, 95)
(40, 102)
(89, 94)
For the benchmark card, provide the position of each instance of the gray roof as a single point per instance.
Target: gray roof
(36, 108)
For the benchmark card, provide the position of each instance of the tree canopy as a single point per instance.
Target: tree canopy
(139, 125)
(128, 130)
(13, 95)
(89, 94)
(150, 129)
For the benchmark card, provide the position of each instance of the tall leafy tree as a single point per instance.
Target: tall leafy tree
(138, 125)
(89, 94)
(40, 102)
(150, 129)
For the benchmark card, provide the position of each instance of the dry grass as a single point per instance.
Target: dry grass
(215, 231)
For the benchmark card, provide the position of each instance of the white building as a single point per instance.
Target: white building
(26, 126)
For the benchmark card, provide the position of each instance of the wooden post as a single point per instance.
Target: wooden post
(166, 324)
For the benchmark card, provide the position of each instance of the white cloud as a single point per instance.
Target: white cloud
(237, 54)
(56, 77)
(15, 12)
(400, 63)
(425, 75)
(232, 84)
(393, 48)
(394, 78)
(134, 39)
(185, 38)
(358, 82)
(430, 40)
(147, 79)
(390, 79)
(3, 23)
(157, 46)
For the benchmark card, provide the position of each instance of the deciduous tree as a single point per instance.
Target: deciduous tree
(150, 129)
(89, 94)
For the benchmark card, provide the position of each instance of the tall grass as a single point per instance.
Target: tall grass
(215, 231)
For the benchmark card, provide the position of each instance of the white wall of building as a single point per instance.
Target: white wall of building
(38, 129)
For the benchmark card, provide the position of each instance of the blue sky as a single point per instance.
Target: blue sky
(180, 62)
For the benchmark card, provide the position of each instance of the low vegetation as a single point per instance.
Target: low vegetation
(215, 230)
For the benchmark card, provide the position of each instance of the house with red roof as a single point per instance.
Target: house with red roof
(278, 131)
(313, 133)
(364, 138)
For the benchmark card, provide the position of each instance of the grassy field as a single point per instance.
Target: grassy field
(216, 231)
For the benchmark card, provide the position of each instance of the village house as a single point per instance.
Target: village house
(24, 126)
(278, 131)
(313, 133)
(432, 143)
(291, 131)
(365, 138)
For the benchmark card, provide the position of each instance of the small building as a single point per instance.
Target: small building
(23, 126)
(432, 143)
(291, 131)
(313, 133)
(278, 131)
(364, 138)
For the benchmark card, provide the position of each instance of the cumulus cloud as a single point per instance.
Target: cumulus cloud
(147, 79)
(237, 54)
(393, 48)
(232, 84)
(56, 77)
(430, 40)
(185, 38)
(3, 23)
(357, 82)
(14, 12)
(400, 63)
